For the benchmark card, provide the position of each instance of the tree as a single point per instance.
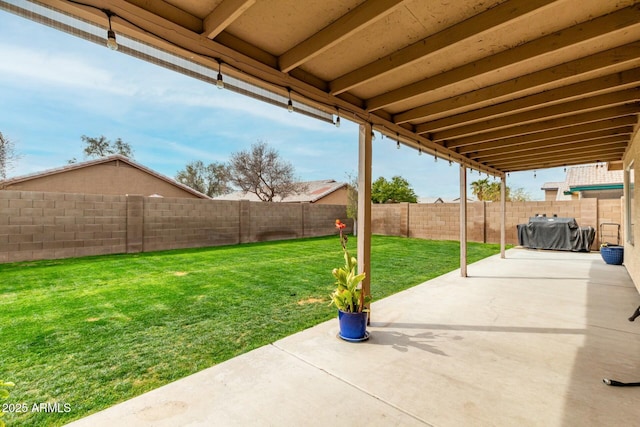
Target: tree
(394, 191)
(479, 188)
(8, 155)
(490, 191)
(212, 180)
(260, 171)
(101, 147)
(352, 200)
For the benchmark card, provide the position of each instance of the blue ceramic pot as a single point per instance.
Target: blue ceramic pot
(353, 325)
(612, 254)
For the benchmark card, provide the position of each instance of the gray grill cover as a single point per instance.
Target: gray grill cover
(555, 233)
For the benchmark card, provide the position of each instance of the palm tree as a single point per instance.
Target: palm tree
(479, 188)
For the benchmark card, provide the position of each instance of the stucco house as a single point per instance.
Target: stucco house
(598, 180)
(322, 192)
(115, 175)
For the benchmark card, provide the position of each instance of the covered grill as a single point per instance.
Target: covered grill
(555, 233)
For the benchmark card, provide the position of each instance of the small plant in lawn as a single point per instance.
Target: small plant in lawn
(4, 395)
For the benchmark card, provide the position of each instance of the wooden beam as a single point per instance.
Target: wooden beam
(585, 89)
(559, 163)
(363, 15)
(607, 142)
(488, 20)
(621, 20)
(364, 205)
(541, 137)
(551, 143)
(565, 109)
(551, 161)
(463, 221)
(223, 15)
(627, 111)
(614, 60)
(503, 215)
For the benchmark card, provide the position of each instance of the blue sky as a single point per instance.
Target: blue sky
(55, 87)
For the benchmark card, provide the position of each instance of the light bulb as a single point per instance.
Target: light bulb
(111, 40)
(337, 121)
(398, 145)
(290, 106)
(219, 82)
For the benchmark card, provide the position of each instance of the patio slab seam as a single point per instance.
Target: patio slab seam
(350, 384)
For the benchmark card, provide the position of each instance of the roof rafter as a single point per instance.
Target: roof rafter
(223, 15)
(548, 125)
(361, 16)
(567, 108)
(537, 138)
(555, 147)
(541, 162)
(490, 19)
(564, 39)
(593, 87)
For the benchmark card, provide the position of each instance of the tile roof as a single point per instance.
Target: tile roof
(593, 175)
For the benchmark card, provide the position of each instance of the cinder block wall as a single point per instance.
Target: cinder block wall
(441, 221)
(37, 225)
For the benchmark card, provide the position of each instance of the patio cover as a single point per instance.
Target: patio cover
(497, 86)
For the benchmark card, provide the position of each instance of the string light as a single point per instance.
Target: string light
(290, 103)
(534, 174)
(337, 121)
(111, 35)
(435, 156)
(219, 82)
(397, 140)
(420, 151)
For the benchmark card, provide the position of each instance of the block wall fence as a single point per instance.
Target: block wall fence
(442, 221)
(38, 225)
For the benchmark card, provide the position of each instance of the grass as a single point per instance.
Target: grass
(91, 332)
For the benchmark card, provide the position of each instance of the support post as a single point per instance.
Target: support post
(463, 220)
(364, 206)
(503, 215)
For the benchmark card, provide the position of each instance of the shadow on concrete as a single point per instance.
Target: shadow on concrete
(482, 328)
(400, 341)
(611, 349)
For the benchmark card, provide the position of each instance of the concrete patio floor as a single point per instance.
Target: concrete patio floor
(523, 341)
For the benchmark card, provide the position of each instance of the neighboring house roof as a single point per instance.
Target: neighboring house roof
(430, 200)
(586, 178)
(315, 190)
(593, 177)
(102, 160)
(551, 185)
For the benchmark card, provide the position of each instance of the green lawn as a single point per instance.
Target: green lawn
(91, 332)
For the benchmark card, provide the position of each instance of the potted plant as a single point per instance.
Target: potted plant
(348, 296)
(612, 254)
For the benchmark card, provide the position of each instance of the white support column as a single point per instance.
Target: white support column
(463, 220)
(503, 215)
(364, 206)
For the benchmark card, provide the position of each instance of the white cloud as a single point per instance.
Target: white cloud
(64, 71)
